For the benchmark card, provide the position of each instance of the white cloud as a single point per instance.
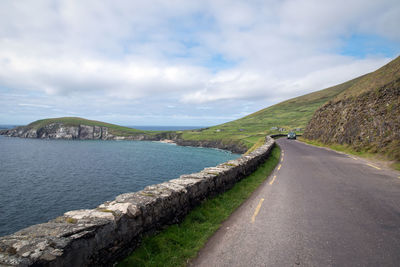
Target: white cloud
(91, 56)
(33, 105)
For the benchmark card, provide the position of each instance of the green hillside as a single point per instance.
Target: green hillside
(373, 80)
(75, 121)
(291, 114)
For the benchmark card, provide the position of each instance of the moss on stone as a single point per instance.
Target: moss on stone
(71, 220)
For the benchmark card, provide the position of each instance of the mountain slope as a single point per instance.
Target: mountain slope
(373, 80)
(365, 117)
(290, 114)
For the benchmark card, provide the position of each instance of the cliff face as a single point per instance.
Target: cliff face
(369, 121)
(61, 131)
(85, 132)
(234, 147)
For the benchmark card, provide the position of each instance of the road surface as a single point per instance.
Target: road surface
(318, 208)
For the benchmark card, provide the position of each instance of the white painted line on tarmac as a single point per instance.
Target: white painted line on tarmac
(253, 219)
(373, 166)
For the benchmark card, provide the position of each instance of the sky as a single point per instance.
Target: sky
(182, 62)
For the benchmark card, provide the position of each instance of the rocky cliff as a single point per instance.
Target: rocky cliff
(57, 130)
(366, 122)
(61, 131)
(235, 147)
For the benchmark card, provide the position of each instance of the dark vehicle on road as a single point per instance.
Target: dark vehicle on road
(291, 135)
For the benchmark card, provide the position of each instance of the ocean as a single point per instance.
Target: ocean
(41, 179)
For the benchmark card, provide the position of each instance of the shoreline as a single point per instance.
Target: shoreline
(86, 132)
(105, 234)
(167, 141)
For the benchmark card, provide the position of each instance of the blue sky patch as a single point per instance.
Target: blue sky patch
(360, 46)
(219, 62)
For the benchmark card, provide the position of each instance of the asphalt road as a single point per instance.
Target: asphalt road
(319, 208)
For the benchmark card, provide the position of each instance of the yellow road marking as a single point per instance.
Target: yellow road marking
(373, 166)
(279, 167)
(273, 179)
(353, 158)
(257, 210)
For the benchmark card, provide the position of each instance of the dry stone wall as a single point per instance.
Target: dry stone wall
(99, 237)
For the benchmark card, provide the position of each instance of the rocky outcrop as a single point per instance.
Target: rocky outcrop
(370, 121)
(82, 132)
(98, 237)
(20, 132)
(234, 147)
(60, 131)
(86, 132)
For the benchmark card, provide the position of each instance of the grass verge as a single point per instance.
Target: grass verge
(178, 243)
(396, 166)
(348, 150)
(259, 143)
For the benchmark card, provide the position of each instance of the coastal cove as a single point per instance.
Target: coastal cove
(41, 179)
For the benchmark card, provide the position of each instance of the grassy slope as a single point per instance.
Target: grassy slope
(290, 114)
(178, 243)
(373, 80)
(75, 121)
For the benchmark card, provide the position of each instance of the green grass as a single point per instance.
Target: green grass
(179, 243)
(373, 80)
(349, 150)
(337, 147)
(396, 166)
(256, 145)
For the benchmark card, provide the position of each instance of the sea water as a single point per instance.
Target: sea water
(41, 179)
